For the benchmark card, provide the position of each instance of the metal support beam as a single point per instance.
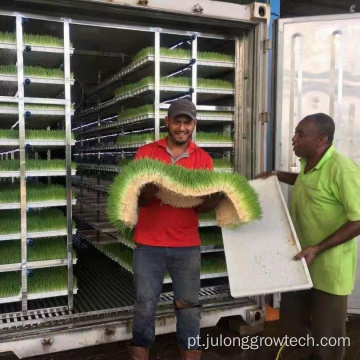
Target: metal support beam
(157, 85)
(68, 161)
(21, 104)
(239, 125)
(194, 47)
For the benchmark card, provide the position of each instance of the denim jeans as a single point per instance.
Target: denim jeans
(183, 265)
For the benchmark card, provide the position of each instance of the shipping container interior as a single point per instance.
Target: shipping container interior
(122, 81)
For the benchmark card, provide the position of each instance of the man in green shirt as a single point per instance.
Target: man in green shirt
(325, 210)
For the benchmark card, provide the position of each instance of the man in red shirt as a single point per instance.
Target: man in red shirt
(167, 238)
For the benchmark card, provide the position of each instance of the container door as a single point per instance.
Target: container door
(318, 70)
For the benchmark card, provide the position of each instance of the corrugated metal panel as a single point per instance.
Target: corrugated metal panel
(318, 70)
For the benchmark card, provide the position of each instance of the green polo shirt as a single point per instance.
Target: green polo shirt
(323, 200)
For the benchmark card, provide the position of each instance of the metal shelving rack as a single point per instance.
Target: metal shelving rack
(22, 93)
(91, 190)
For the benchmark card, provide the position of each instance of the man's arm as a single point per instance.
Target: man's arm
(347, 232)
(285, 177)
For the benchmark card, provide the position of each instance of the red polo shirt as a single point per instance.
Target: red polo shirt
(163, 225)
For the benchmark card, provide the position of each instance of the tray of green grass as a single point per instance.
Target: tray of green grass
(209, 63)
(41, 115)
(42, 283)
(212, 265)
(41, 49)
(43, 82)
(10, 168)
(40, 223)
(182, 82)
(42, 253)
(149, 53)
(143, 116)
(140, 92)
(35, 73)
(35, 138)
(37, 195)
(95, 167)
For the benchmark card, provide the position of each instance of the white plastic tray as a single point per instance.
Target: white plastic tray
(259, 255)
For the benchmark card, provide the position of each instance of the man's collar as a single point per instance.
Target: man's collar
(327, 155)
(191, 146)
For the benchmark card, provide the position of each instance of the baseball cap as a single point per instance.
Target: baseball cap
(182, 107)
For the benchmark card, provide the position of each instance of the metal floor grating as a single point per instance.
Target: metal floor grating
(104, 288)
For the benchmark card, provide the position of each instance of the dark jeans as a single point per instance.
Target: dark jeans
(183, 265)
(320, 313)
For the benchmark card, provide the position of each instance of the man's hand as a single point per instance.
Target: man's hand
(265, 174)
(210, 202)
(285, 177)
(147, 194)
(308, 254)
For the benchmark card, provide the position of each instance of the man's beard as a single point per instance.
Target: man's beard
(177, 142)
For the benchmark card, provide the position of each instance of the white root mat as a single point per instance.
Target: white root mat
(259, 255)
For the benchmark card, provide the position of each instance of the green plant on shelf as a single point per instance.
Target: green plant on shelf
(10, 284)
(35, 192)
(213, 264)
(120, 251)
(204, 137)
(35, 71)
(215, 56)
(210, 263)
(48, 280)
(7, 37)
(36, 134)
(201, 83)
(35, 165)
(43, 40)
(123, 162)
(134, 86)
(180, 81)
(215, 113)
(208, 216)
(37, 221)
(34, 107)
(210, 236)
(32, 39)
(149, 51)
(38, 250)
(135, 138)
(201, 137)
(39, 281)
(222, 163)
(149, 110)
(182, 54)
(131, 113)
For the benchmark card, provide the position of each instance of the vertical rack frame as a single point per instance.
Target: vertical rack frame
(157, 84)
(194, 51)
(23, 215)
(67, 76)
(239, 125)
